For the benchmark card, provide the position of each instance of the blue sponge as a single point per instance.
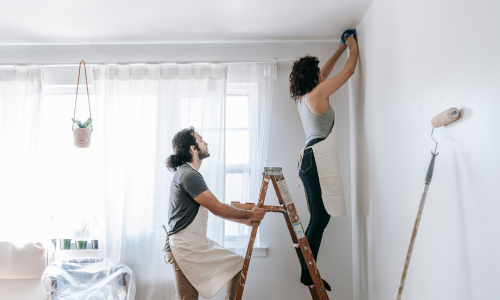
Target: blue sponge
(347, 33)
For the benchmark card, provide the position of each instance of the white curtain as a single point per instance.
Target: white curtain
(20, 102)
(140, 108)
(255, 81)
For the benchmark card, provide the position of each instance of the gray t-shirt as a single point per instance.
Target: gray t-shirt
(186, 185)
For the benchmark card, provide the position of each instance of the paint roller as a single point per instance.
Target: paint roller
(446, 117)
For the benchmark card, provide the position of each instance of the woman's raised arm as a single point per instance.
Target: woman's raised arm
(330, 86)
(330, 64)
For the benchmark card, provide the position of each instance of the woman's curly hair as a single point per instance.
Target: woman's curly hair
(304, 77)
(181, 144)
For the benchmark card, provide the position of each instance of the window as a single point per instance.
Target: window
(70, 175)
(73, 188)
(237, 158)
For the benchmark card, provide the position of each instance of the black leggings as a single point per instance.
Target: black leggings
(319, 218)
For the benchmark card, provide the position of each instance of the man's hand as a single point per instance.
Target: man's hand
(257, 213)
(248, 222)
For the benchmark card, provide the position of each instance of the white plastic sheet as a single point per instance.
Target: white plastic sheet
(88, 279)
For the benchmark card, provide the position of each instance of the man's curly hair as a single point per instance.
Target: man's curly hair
(181, 144)
(304, 77)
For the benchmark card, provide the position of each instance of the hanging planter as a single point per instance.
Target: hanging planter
(83, 132)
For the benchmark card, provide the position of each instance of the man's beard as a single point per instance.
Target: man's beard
(203, 154)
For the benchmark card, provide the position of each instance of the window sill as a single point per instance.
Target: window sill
(72, 253)
(259, 252)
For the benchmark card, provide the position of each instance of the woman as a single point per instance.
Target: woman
(318, 164)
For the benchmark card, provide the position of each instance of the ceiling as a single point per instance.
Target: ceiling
(39, 22)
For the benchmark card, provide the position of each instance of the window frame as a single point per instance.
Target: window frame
(238, 90)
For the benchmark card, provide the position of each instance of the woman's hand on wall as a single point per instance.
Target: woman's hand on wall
(351, 42)
(342, 47)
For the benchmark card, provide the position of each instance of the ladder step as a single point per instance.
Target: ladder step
(276, 171)
(268, 208)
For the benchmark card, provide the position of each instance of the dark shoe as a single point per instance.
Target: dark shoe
(306, 279)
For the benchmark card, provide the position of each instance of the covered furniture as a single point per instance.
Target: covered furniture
(88, 279)
(21, 267)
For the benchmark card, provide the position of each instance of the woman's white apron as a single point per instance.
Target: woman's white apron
(327, 162)
(207, 265)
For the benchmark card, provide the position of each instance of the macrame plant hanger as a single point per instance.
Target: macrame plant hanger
(82, 135)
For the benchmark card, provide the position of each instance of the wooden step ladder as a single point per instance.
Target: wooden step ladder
(299, 240)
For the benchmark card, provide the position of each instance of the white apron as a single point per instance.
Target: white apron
(327, 162)
(207, 265)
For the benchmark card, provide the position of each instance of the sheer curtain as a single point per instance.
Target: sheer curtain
(20, 102)
(255, 81)
(140, 108)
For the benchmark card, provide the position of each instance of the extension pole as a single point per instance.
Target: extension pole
(428, 179)
(444, 118)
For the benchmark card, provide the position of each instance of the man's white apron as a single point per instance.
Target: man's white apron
(327, 162)
(207, 265)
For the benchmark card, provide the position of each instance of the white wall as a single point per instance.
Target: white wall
(277, 275)
(418, 58)
(286, 140)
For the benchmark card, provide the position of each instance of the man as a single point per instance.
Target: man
(200, 265)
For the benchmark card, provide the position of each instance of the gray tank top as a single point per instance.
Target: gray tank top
(315, 126)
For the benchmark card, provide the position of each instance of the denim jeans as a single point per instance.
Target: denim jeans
(319, 218)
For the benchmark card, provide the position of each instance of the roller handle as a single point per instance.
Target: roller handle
(430, 170)
(428, 179)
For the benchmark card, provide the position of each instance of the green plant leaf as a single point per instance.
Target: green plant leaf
(83, 231)
(79, 123)
(87, 123)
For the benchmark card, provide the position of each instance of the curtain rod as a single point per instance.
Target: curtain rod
(60, 65)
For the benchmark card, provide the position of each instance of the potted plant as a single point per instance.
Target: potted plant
(82, 133)
(95, 242)
(82, 244)
(64, 244)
